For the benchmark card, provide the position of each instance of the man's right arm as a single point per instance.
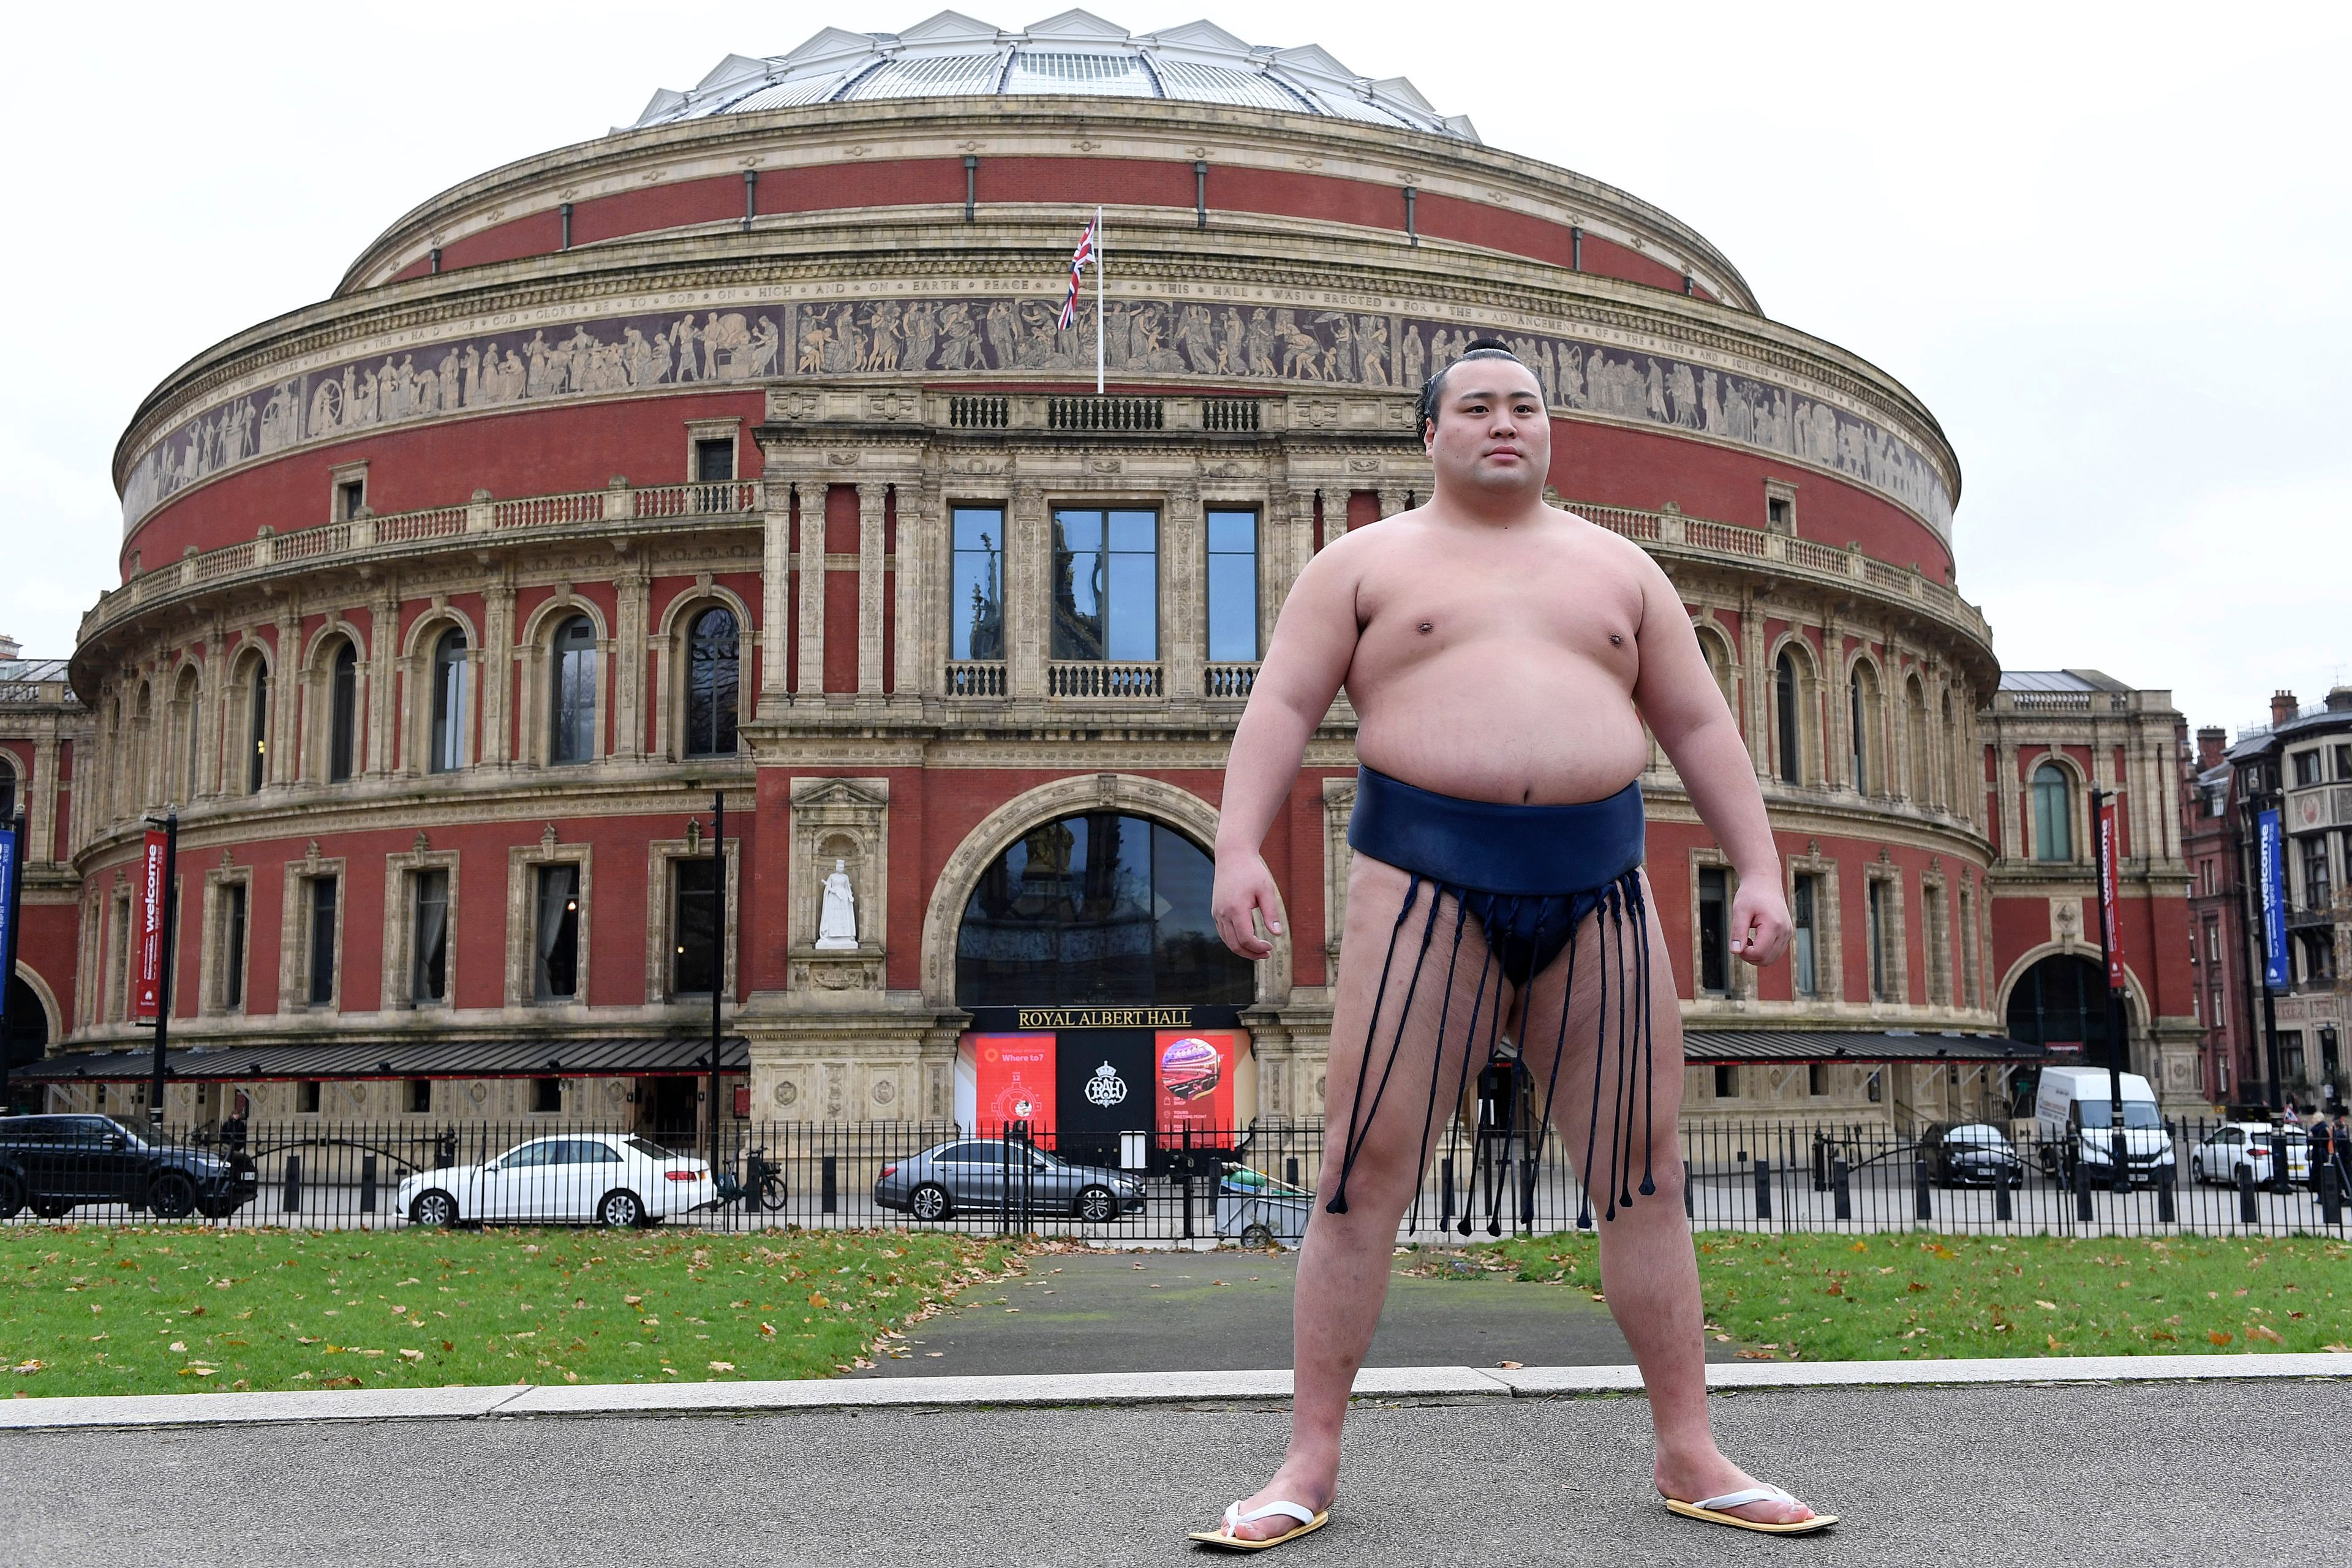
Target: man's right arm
(1314, 642)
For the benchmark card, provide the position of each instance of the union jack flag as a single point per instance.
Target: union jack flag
(1078, 259)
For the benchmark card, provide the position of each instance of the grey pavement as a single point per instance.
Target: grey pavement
(1921, 1475)
(1212, 1311)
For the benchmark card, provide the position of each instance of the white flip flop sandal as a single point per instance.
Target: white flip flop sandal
(1714, 1510)
(1309, 1520)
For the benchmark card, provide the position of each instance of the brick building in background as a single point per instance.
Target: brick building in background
(739, 450)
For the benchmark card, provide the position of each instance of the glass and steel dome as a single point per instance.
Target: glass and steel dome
(1073, 53)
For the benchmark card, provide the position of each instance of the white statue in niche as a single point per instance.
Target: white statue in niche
(836, 923)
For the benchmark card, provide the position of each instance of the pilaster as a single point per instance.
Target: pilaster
(1028, 605)
(631, 592)
(870, 499)
(811, 683)
(383, 666)
(496, 671)
(1184, 598)
(775, 598)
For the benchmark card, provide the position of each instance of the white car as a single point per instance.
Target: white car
(579, 1178)
(2248, 1143)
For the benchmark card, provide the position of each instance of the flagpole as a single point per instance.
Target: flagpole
(1098, 304)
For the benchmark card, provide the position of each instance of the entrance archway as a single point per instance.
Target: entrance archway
(1097, 908)
(2062, 1001)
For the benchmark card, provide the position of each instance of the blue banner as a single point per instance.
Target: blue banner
(8, 859)
(2275, 972)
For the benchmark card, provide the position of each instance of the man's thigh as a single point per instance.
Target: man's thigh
(1585, 1046)
(1414, 1009)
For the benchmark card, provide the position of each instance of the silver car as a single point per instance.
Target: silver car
(985, 1174)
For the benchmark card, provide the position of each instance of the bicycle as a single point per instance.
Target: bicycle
(762, 1183)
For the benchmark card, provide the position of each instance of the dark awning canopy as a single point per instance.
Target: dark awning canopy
(1710, 1045)
(641, 1056)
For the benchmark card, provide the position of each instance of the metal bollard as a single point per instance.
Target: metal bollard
(1841, 1183)
(367, 1184)
(1688, 1211)
(2082, 1210)
(1445, 1192)
(1824, 1164)
(1290, 1169)
(2164, 1210)
(293, 1201)
(2249, 1212)
(2331, 1195)
(1923, 1205)
(1763, 1187)
(828, 1184)
(2000, 1200)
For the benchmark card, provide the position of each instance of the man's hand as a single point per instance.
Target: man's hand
(1245, 888)
(1760, 922)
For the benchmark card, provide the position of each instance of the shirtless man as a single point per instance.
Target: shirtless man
(1501, 658)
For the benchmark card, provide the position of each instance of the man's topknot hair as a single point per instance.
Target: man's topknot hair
(1433, 388)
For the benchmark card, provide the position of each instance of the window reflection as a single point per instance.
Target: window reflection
(1096, 910)
(1105, 585)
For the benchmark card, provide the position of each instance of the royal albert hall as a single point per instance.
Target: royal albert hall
(741, 451)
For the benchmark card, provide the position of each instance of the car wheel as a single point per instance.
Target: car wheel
(52, 1208)
(928, 1201)
(1095, 1204)
(171, 1197)
(1258, 1233)
(2197, 1168)
(433, 1208)
(619, 1209)
(12, 1194)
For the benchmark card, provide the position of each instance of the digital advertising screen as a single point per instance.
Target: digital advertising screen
(1016, 1082)
(1195, 1082)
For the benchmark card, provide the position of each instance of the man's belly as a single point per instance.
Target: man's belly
(1547, 736)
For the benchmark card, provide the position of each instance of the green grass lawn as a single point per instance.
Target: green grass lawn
(1892, 1297)
(95, 1309)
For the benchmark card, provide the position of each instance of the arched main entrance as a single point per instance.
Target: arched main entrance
(2061, 1003)
(1104, 1002)
(28, 1034)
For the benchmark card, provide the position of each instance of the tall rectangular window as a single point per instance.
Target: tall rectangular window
(2315, 893)
(1817, 1080)
(976, 591)
(1936, 943)
(256, 763)
(445, 748)
(2306, 768)
(351, 497)
(1879, 978)
(714, 465)
(555, 946)
(428, 959)
(307, 1096)
(320, 991)
(1727, 1083)
(233, 946)
(420, 1095)
(571, 696)
(342, 714)
(694, 927)
(1106, 586)
(1714, 952)
(1232, 587)
(1804, 947)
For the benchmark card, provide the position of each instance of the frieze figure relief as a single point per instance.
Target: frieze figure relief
(995, 334)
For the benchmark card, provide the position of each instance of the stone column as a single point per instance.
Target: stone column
(1755, 713)
(870, 497)
(1837, 745)
(631, 591)
(1392, 499)
(811, 684)
(1183, 599)
(493, 671)
(1028, 596)
(41, 804)
(212, 711)
(384, 679)
(922, 530)
(285, 720)
(775, 598)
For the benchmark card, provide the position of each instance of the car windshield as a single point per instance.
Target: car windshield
(650, 1150)
(2136, 1112)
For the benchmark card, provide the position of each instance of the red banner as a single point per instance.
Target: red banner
(1193, 1071)
(147, 969)
(2111, 925)
(1015, 1083)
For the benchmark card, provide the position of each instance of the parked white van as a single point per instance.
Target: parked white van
(2072, 1110)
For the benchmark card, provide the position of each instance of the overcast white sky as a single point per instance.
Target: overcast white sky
(2105, 244)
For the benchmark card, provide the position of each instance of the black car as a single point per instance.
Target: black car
(1970, 1153)
(51, 1164)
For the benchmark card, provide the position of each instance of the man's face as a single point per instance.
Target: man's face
(1491, 432)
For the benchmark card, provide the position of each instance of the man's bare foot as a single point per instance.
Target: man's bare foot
(1690, 1478)
(1309, 1486)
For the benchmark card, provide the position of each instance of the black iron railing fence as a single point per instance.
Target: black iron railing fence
(1255, 1185)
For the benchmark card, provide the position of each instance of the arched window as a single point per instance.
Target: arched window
(257, 703)
(712, 666)
(2053, 813)
(2061, 1000)
(1923, 789)
(1097, 908)
(192, 777)
(1784, 689)
(445, 742)
(571, 694)
(342, 712)
(1857, 703)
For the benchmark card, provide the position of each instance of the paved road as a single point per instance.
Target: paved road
(1922, 1477)
(1227, 1312)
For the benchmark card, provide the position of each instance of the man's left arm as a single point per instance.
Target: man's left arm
(1678, 697)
